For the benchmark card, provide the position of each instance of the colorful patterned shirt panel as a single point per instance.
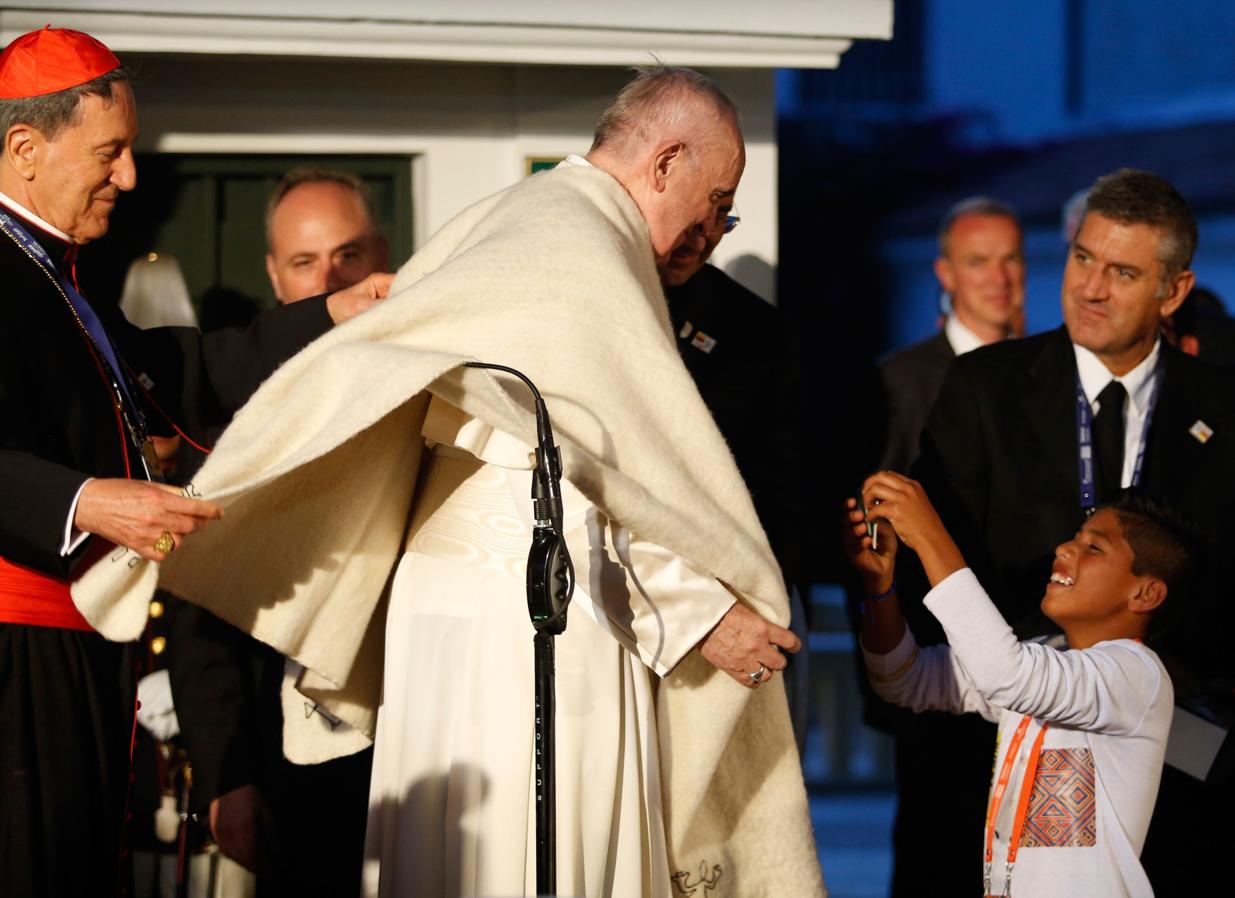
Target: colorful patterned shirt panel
(1062, 807)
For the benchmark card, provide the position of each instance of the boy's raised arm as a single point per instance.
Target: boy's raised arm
(900, 672)
(1107, 693)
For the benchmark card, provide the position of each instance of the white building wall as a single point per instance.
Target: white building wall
(469, 128)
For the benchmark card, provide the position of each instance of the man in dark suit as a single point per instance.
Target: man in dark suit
(735, 346)
(737, 350)
(981, 272)
(300, 827)
(1028, 435)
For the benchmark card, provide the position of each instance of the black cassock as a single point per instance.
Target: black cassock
(66, 696)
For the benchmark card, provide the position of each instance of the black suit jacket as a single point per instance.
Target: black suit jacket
(999, 460)
(910, 379)
(735, 346)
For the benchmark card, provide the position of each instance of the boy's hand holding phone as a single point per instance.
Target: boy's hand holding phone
(903, 504)
(875, 561)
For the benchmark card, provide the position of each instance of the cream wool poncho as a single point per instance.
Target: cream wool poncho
(555, 277)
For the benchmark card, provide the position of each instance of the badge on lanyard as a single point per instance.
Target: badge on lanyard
(1011, 816)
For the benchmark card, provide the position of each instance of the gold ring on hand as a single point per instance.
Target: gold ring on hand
(166, 544)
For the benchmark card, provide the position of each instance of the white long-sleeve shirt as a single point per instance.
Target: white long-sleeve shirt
(1109, 712)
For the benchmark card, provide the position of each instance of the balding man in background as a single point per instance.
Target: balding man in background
(981, 272)
(299, 827)
(320, 234)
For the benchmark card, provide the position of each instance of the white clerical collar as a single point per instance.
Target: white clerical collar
(960, 338)
(575, 159)
(32, 218)
(1139, 382)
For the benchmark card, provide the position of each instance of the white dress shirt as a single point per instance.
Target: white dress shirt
(1140, 382)
(960, 337)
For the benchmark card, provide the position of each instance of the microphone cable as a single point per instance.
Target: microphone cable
(550, 572)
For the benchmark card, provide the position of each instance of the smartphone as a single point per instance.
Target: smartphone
(872, 527)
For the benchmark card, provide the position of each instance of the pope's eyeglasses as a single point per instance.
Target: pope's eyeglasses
(726, 221)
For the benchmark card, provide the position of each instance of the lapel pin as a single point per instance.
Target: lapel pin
(703, 341)
(1201, 431)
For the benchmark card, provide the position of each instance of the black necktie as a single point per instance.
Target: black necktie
(1108, 439)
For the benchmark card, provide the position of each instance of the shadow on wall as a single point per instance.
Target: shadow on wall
(755, 274)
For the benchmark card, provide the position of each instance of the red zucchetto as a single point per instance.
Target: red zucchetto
(43, 62)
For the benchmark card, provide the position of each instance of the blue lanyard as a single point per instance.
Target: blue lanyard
(1084, 442)
(91, 324)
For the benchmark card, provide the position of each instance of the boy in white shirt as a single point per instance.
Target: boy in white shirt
(1089, 724)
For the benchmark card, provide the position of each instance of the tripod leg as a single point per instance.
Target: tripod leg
(546, 800)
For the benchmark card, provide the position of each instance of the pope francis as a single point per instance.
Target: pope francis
(378, 516)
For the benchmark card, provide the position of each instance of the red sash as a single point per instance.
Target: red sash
(28, 597)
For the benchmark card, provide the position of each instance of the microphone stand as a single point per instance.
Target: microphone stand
(550, 585)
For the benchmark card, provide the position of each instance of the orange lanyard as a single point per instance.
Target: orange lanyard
(1022, 804)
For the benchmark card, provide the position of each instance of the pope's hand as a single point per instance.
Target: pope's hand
(743, 642)
(136, 513)
(355, 299)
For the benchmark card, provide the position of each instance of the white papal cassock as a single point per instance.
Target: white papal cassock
(452, 809)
